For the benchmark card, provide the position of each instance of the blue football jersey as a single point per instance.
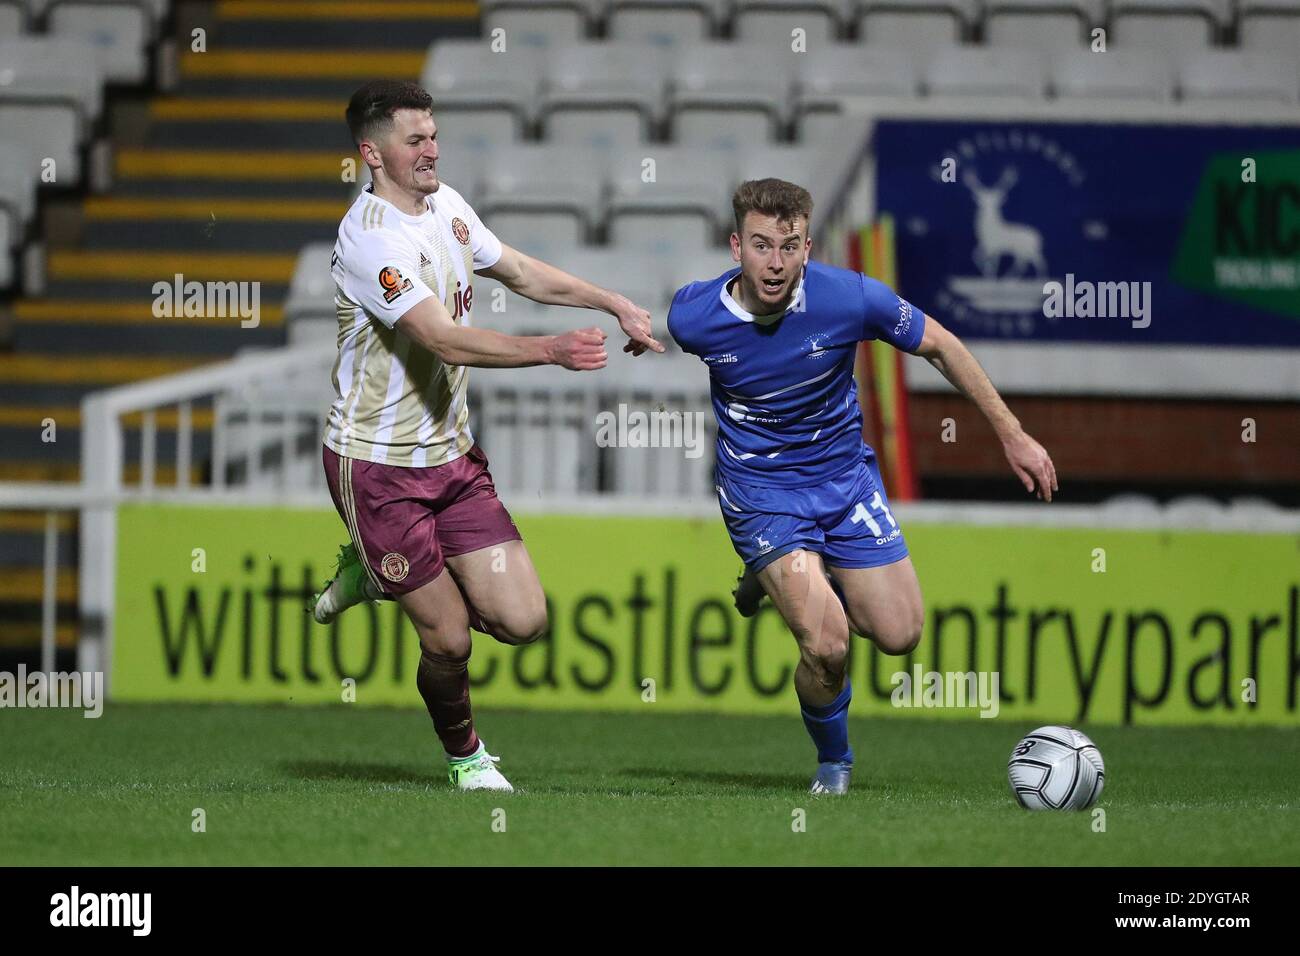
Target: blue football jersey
(782, 385)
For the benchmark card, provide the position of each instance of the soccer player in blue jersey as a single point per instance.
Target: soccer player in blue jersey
(799, 489)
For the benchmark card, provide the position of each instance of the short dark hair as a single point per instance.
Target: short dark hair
(771, 197)
(372, 107)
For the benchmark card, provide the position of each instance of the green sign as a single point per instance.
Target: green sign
(1242, 237)
(1079, 625)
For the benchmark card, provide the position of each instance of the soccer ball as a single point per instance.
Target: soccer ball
(1056, 768)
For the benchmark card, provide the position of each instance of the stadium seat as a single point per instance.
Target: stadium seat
(121, 31)
(546, 178)
(1170, 25)
(662, 232)
(544, 233)
(985, 71)
(1269, 25)
(794, 163)
(620, 270)
(1127, 74)
(467, 74)
(720, 100)
(52, 100)
(496, 307)
(596, 128)
(913, 24)
(604, 93)
(847, 69)
(311, 289)
(681, 180)
(536, 23)
(18, 182)
(479, 130)
(772, 22)
(13, 18)
(1040, 24)
(665, 23)
(1233, 75)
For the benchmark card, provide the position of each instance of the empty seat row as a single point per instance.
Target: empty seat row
(121, 32)
(669, 200)
(625, 195)
(1265, 24)
(616, 95)
(647, 279)
(51, 97)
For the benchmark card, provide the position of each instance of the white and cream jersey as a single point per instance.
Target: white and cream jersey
(396, 402)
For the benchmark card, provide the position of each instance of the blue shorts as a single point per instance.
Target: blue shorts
(847, 520)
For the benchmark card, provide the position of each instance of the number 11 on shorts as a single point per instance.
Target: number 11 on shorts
(861, 514)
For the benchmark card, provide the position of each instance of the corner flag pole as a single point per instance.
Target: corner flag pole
(885, 378)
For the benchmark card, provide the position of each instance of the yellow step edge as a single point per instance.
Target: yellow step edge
(19, 416)
(34, 521)
(317, 64)
(335, 10)
(232, 165)
(79, 312)
(204, 109)
(162, 265)
(26, 584)
(28, 634)
(215, 210)
(43, 369)
(69, 472)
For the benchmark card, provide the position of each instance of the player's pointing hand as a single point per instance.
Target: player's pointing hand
(1031, 463)
(581, 350)
(635, 321)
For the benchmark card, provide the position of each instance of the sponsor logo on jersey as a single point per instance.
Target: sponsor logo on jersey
(393, 282)
(394, 567)
(728, 358)
(460, 231)
(904, 318)
(424, 260)
(462, 301)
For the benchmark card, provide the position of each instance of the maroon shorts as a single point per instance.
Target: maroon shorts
(405, 522)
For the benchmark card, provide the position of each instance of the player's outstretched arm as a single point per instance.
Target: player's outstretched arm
(1028, 459)
(542, 282)
(430, 325)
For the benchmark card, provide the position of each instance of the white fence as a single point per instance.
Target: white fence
(268, 410)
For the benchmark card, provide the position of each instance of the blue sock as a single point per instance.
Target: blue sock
(828, 726)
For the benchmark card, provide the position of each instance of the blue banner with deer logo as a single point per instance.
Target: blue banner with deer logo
(1123, 233)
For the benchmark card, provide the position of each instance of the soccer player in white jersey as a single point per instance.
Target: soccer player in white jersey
(404, 471)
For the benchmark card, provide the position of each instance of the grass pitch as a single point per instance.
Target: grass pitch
(356, 786)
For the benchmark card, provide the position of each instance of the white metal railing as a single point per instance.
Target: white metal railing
(268, 413)
(53, 499)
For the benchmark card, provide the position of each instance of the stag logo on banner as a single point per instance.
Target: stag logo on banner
(998, 289)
